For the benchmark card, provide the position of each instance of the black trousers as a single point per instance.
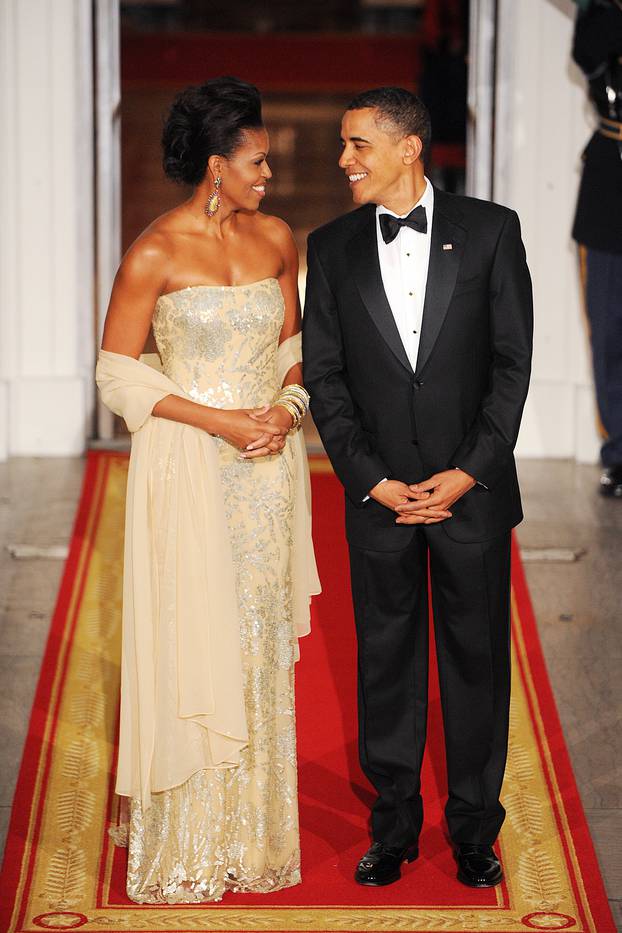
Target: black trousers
(604, 308)
(471, 604)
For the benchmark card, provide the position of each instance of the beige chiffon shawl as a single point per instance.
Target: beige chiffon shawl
(208, 687)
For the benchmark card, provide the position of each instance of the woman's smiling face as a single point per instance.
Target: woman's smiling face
(245, 173)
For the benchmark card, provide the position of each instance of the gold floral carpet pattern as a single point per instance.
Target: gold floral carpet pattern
(61, 870)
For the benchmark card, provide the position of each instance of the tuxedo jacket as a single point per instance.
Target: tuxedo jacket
(461, 406)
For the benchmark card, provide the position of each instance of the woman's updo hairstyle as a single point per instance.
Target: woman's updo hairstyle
(205, 121)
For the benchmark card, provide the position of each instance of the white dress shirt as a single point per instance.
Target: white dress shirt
(404, 269)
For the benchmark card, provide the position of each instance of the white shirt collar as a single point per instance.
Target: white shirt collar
(426, 200)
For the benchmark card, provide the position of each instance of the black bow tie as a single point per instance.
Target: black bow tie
(390, 226)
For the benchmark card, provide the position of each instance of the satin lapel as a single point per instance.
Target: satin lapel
(442, 274)
(363, 256)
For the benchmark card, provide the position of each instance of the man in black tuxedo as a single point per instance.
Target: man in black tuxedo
(417, 337)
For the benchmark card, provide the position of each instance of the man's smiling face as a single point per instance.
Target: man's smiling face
(372, 156)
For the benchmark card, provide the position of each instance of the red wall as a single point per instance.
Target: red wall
(277, 62)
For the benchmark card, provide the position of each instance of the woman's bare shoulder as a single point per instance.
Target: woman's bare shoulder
(277, 232)
(153, 249)
(272, 226)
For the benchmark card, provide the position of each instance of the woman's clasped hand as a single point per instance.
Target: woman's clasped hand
(247, 430)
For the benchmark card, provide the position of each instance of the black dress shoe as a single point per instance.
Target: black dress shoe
(382, 864)
(611, 482)
(478, 866)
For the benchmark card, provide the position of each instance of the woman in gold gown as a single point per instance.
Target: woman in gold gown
(219, 565)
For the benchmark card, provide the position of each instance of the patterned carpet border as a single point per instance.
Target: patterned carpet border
(57, 866)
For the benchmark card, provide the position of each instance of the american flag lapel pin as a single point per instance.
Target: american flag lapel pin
(448, 245)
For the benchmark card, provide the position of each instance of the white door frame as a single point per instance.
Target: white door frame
(481, 98)
(107, 172)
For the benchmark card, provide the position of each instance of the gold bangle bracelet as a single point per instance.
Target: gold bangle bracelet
(295, 399)
(298, 405)
(297, 391)
(296, 419)
(286, 403)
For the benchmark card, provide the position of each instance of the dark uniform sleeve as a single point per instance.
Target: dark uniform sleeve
(597, 36)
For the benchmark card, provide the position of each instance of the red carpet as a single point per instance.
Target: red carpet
(61, 872)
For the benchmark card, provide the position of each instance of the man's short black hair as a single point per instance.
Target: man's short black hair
(399, 111)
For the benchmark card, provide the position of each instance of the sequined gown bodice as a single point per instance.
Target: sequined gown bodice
(232, 828)
(219, 343)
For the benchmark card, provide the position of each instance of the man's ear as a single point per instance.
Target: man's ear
(412, 149)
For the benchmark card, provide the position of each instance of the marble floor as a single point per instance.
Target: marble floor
(572, 540)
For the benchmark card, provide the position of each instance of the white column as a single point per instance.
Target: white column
(107, 172)
(46, 233)
(481, 98)
(543, 121)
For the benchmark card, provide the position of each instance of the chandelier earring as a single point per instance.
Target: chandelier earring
(213, 202)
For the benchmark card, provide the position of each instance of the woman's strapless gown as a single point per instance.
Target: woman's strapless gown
(233, 828)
